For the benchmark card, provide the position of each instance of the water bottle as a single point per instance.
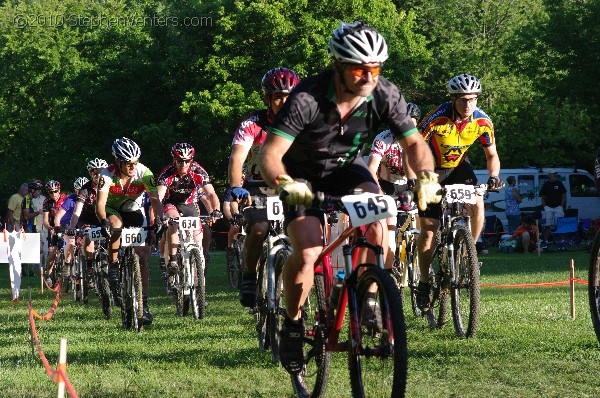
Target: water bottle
(337, 287)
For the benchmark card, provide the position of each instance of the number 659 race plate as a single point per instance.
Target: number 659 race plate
(133, 237)
(460, 193)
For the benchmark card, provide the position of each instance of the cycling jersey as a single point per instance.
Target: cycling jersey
(130, 200)
(183, 189)
(449, 140)
(389, 150)
(87, 196)
(251, 133)
(69, 206)
(321, 141)
(51, 207)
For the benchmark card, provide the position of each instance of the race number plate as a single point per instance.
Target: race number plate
(95, 234)
(460, 193)
(369, 207)
(189, 223)
(133, 237)
(274, 208)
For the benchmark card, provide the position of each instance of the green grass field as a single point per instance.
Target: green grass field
(527, 344)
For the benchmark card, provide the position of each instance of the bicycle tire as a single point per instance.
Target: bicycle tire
(233, 266)
(381, 343)
(199, 292)
(64, 282)
(277, 316)
(439, 280)
(412, 279)
(103, 286)
(131, 293)
(312, 381)
(83, 280)
(74, 278)
(180, 298)
(465, 289)
(239, 253)
(261, 311)
(594, 285)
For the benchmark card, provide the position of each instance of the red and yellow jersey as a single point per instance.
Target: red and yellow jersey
(449, 140)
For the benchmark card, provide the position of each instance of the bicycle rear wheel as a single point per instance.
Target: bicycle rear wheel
(378, 355)
(312, 381)
(198, 293)
(465, 289)
(594, 285)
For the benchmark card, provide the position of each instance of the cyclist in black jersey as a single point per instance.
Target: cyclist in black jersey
(318, 136)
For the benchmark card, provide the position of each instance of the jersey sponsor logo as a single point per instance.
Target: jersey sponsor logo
(152, 181)
(378, 145)
(101, 182)
(246, 123)
(454, 152)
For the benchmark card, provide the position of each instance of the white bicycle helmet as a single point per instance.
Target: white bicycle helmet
(126, 150)
(357, 43)
(464, 84)
(81, 181)
(97, 163)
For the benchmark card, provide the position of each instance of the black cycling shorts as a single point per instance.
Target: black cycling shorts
(340, 182)
(462, 174)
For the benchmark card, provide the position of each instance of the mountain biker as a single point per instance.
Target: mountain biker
(450, 129)
(84, 214)
(276, 85)
(386, 163)
(179, 185)
(119, 204)
(317, 138)
(52, 205)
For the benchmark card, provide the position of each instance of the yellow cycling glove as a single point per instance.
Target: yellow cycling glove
(428, 189)
(298, 193)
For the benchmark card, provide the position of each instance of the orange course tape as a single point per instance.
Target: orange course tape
(517, 285)
(52, 310)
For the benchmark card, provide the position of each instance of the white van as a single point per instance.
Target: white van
(581, 191)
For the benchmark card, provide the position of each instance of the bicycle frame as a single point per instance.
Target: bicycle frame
(187, 243)
(347, 292)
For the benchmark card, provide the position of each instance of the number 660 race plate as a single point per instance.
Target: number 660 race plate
(133, 237)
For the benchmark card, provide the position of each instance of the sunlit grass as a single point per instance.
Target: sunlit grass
(527, 345)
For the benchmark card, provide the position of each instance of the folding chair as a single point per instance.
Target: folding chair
(566, 233)
(586, 231)
(492, 231)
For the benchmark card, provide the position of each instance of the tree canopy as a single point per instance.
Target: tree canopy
(75, 75)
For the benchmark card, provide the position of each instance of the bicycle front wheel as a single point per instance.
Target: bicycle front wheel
(465, 289)
(378, 355)
(312, 381)
(198, 296)
(131, 292)
(234, 263)
(594, 285)
(276, 316)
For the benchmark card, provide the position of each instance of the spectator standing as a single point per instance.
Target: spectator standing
(512, 198)
(14, 208)
(29, 212)
(553, 195)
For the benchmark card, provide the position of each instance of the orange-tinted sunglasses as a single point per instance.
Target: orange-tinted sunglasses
(361, 70)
